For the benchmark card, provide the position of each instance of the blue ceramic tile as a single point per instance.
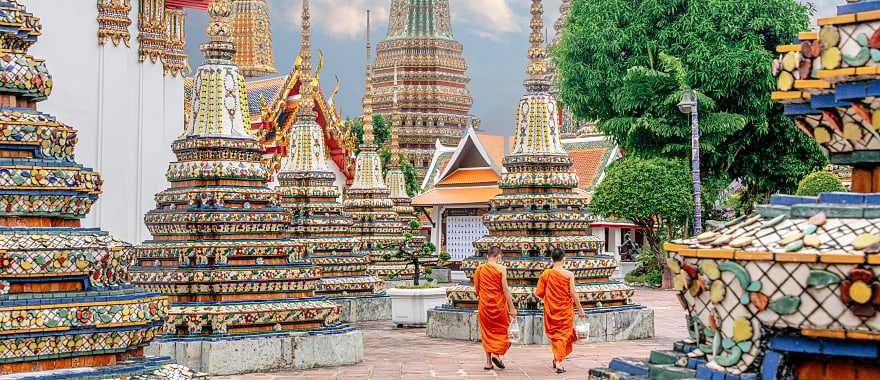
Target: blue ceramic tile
(842, 198)
(788, 200)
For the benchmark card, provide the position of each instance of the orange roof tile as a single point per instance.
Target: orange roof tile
(443, 196)
(494, 146)
(587, 163)
(470, 176)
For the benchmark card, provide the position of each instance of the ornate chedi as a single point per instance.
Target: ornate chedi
(421, 75)
(368, 201)
(307, 188)
(220, 247)
(396, 181)
(791, 292)
(538, 208)
(252, 36)
(66, 301)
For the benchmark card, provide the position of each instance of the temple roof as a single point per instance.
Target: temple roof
(590, 157)
(269, 88)
(419, 18)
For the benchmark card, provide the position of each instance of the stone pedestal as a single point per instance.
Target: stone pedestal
(364, 308)
(606, 325)
(273, 352)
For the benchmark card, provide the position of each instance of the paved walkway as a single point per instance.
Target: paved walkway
(407, 354)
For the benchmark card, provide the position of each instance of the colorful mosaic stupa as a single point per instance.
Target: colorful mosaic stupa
(368, 200)
(539, 207)
(792, 291)
(421, 76)
(396, 181)
(220, 247)
(307, 188)
(252, 36)
(66, 301)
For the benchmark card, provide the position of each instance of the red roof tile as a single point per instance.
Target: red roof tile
(587, 163)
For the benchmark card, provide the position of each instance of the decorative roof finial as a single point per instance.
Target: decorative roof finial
(537, 69)
(219, 48)
(368, 94)
(306, 110)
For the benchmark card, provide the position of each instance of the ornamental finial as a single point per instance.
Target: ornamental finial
(537, 68)
(395, 144)
(368, 93)
(306, 110)
(219, 46)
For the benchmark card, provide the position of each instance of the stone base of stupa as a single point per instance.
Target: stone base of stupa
(264, 353)
(606, 324)
(363, 308)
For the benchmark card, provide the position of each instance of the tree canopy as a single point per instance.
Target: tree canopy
(651, 192)
(381, 130)
(607, 61)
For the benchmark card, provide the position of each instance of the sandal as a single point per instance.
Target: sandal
(560, 370)
(498, 363)
(488, 368)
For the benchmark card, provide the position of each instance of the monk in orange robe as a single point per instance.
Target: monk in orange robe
(557, 288)
(495, 308)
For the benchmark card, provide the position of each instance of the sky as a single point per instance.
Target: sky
(494, 34)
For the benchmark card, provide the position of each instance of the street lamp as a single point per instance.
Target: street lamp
(688, 104)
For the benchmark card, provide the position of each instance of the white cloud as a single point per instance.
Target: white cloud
(343, 19)
(488, 17)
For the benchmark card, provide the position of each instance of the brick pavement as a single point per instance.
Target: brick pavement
(407, 354)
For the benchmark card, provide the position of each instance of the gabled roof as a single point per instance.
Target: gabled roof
(590, 157)
(442, 154)
(470, 176)
(470, 153)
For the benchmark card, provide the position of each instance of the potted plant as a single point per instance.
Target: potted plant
(410, 303)
(441, 273)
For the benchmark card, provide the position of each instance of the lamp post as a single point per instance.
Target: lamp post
(688, 104)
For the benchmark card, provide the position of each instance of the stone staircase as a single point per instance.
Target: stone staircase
(663, 365)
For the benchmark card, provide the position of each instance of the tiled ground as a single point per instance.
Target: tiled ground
(408, 354)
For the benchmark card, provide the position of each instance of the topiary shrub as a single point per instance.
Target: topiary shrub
(819, 182)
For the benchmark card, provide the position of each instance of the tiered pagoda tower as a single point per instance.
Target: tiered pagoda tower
(252, 36)
(221, 250)
(66, 301)
(421, 75)
(538, 208)
(368, 200)
(307, 188)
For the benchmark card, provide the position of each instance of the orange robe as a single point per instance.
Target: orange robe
(492, 309)
(554, 289)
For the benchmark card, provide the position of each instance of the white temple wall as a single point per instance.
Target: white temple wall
(127, 112)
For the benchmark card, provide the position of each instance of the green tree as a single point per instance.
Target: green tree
(819, 182)
(409, 171)
(723, 48)
(412, 252)
(381, 130)
(654, 193)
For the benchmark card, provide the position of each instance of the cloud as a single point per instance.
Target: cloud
(488, 18)
(342, 19)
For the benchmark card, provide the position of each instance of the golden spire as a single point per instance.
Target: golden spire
(395, 145)
(219, 48)
(537, 69)
(368, 95)
(306, 110)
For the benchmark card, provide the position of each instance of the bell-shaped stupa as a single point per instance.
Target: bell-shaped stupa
(307, 188)
(221, 248)
(368, 200)
(67, 304)
(539, 207)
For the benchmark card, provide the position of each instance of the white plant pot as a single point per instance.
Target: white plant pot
(410, 306)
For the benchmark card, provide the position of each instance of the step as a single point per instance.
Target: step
(671, 372)
(610, 374)
(631, 366)
(668, 357)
